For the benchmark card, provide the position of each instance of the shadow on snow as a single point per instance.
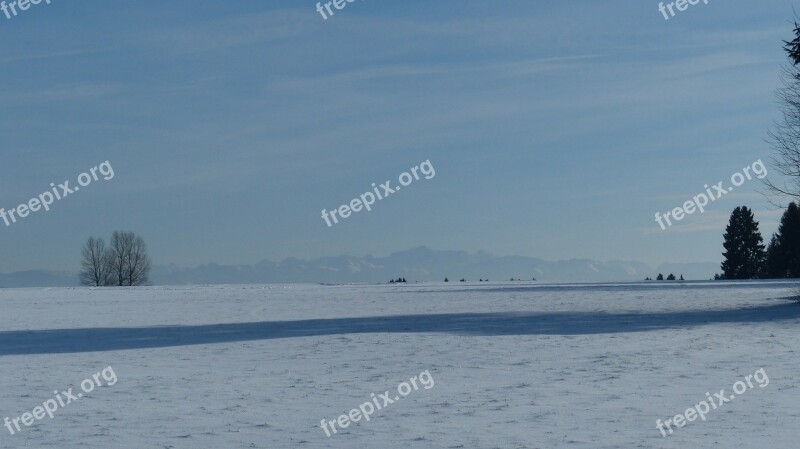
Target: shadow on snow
(473, 324)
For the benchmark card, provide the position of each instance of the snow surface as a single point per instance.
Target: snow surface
(515, 365)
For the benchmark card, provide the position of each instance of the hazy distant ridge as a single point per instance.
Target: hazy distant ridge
(418, 264)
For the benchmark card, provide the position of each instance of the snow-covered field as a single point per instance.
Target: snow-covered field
(515, 365)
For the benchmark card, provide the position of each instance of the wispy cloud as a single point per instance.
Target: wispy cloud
(73, 92)
(228, 32)
(388, 72)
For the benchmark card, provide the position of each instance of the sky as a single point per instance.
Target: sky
(556, 129)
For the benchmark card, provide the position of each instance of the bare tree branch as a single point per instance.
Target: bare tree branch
(95, 267)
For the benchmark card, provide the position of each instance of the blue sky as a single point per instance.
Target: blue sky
(557, 129)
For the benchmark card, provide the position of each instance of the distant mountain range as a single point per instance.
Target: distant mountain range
(418, 264)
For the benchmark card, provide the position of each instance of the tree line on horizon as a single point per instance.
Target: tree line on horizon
(660, 277)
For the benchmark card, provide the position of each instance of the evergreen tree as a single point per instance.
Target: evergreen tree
(774, 265)
(681, 277)
(792, 48)
(783, 253)
(660, 277)
(671, 277)
(744, 250)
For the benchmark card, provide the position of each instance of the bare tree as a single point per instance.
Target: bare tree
(95, 266)
(130, 264)
(119, 256)
(784, 138)
(138, 263)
